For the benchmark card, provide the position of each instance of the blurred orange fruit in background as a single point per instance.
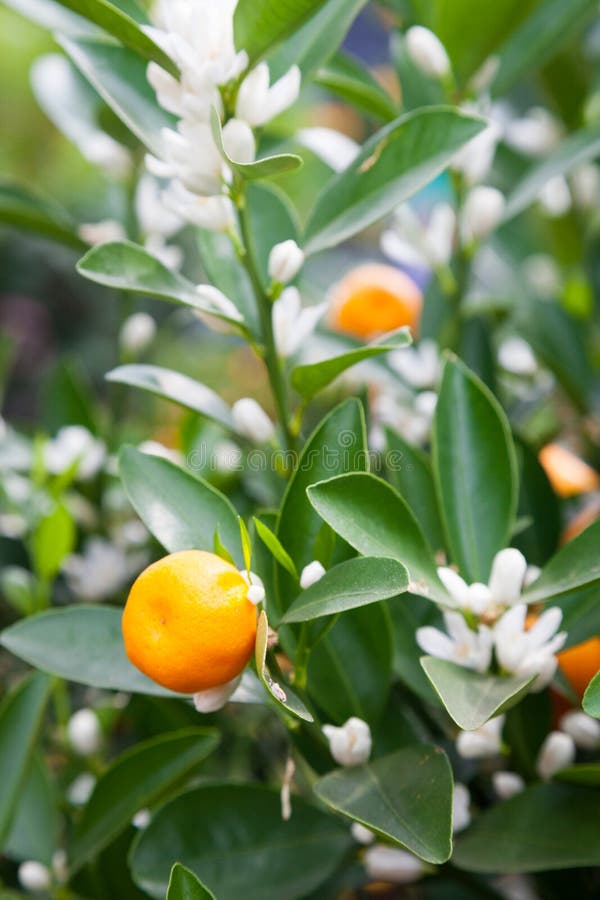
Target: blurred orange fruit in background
(579, 664)
(372, 299)
(568, 474)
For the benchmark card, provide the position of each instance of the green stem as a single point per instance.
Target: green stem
(272, 360)
(302, 656)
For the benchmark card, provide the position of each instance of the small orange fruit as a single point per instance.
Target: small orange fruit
(584, 518)
(372, 299)
(568, 474)
(188, 623)
(580, 663)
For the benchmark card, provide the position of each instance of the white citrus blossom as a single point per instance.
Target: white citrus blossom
(534, 134)
(482, 742)
(556, 753)
(81, 788)
(427, 52)
(258, 102)
(503, 589)
(34, 876)
(361, 834)
(215, 698)
(418, 365)
(585, 186)
(584, 729)
(137, 333)
(157, 223)
(285, 261)
(239, 142)
(292, 324)
(392, 864)
(555, 197)
(410, 242)
(141, 819)
(349, 745)
(507, 784)
(103, 232)
(251, 421)
(74, 444)
(411, 415)
(516, 356)
(84, 732)
(256, 588)
(481, 213)
(524, 651)
(462, 645)
(334, 148)
(100, 570)
(311, 573)
(461, 802)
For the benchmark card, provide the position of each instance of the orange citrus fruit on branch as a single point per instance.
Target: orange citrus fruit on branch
(568, 474)
(372, 299)
(188, 623)
(580, 663)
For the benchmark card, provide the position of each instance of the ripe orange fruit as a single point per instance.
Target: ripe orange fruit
(580, 663)
(568, 474)
(584, 518)
(188, 623)
(372, 299)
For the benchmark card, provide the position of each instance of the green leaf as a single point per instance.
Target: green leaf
(52, 540)
(137, 779)
(183, 885)
(543, 32)
(272, 220)
(36, 824)
(469, 697)
(246, 544)
(181, 511)
(350, 669)
(316, 41)
(548, 826)
(82, 644)
(374, 519)
(338, 444)
(416, 88)
(409, 471)
(580, 147)
(128, 267)
(271, 541)
(121, 26)
(393, 165)
(586, 773)
(119, 76)
(538, 502)
(356, 582)
(21, 714)
(57, 16)
(591, 698)
(174, 386)
(225, 271)
(26, 210)
(267, 167)
(238, 844)
(475, 469)
(349, 79)
(406, 618)
(308, 380)
(282, 695)
(574, 566)
(259, 25)
(405, 797)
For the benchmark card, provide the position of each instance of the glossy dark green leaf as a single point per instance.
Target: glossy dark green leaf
(272, 220)
(225, 271)
(259, 25)
(181, 511)
(406, 617)
(338, 444)
(128, 267)
(270, 540)
(393, 165)
(586, 773)
(80, 643)
(475, 470)
(183, 885)
(356, 582)
(135, 780)
(416, 88)
(21, 714)
(591, 698)
(238, 844)
(281, 694)
(174, 386)
(409, 471)
(119, 76)
(576, 565)
(58, 17)
(36, 824)
(267, 167)
(470, 697)
(349, 79)
(375, 520)
(548, 826)
(537, 501)
(405, 797)
(52, 540)
(309, 379)
(580, 147)
(26, 210)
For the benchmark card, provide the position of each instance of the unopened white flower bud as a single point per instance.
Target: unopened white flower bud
(227, 456)
(34, 876)
(256, 588)
(461, 801)
(251, 421)
(141, 819)
(238, 141)
(516, 356)
(556, 753)
(392, 864)
(311, 573)
(349, 745)
(95, 233)
(80, 790)
(84, 732)
(483, 742)
(137, 333)
(213, 699)
(285, 261)
(584, 729)
(427, 52)
(555, 197)
(482, 212)
(507, 784)
(361, 834)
